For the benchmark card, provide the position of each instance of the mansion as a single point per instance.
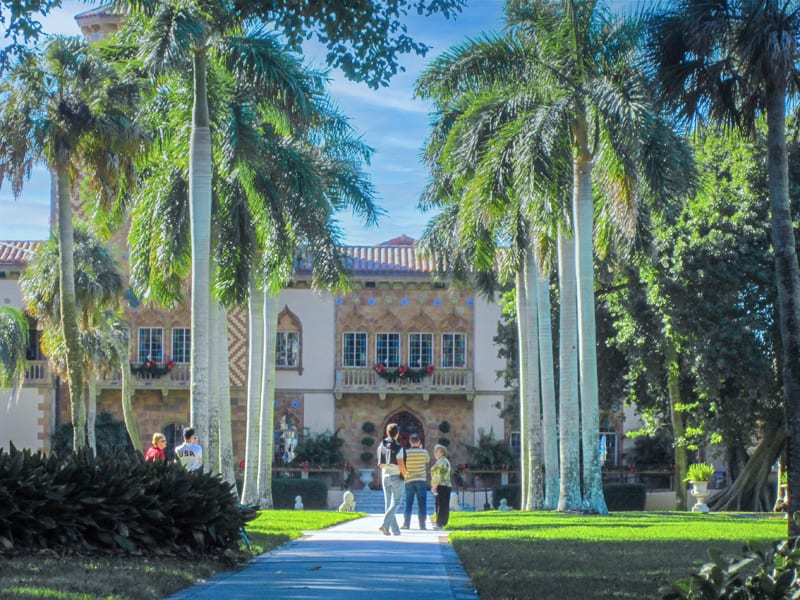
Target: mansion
(339, 360)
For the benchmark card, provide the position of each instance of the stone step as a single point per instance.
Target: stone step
(372, 502)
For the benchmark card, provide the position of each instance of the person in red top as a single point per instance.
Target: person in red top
(156, 451)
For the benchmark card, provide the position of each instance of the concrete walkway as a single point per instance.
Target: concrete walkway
(352, 560)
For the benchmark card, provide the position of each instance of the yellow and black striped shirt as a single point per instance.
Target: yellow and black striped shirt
(417, 460)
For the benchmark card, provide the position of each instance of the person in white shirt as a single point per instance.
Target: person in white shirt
(190, 454)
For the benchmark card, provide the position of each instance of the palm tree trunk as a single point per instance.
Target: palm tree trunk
(128, 414)
(788, 282)
(69, 313)
(533, 395)
(524, 417)
(255, 309)
(211, 450)
(678, 429)
(200, 218)
(225, 428)
(91, 412)
(569, 425)
(549, 421)
(583, 210)
(266, 448)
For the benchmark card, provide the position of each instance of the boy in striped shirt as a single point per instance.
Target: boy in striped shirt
(417, 459)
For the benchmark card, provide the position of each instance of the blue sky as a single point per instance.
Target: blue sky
(390, 120)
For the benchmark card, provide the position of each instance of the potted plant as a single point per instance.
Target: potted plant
(698, 475)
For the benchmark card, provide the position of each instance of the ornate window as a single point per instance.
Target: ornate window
(354, 349)
(151, 344)
(287, 348)
(181, 344)
(289, 341)
(387, 349)
(454, 350)
(420, 350)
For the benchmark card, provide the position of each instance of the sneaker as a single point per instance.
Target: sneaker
(383, 530)
(437, 528)
(404, 527)
(394, 533)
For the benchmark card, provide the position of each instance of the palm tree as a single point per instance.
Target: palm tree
(13, 347)
(566, 73)
(67, 107)
(213, 34)
(732, 67)
(102, 334)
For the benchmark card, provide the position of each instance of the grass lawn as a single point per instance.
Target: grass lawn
(48, 576)
(632, 555)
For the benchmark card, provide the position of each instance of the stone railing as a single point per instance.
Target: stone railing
(37, 373)
(368, 381)
(178, 377)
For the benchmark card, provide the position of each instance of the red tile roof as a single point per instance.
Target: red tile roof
(16, 253)
(387, 259)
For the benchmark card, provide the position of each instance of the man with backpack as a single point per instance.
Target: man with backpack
(391, 460)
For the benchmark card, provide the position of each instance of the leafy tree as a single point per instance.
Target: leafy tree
(67, 107)
(734, 66)
(22, 28)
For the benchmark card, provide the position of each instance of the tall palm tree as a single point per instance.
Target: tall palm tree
(67, 107)
(197, 36)
(13, 347)
(567, 70)
(733, 67)
(102, 335)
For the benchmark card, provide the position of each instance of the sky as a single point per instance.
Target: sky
(390, 121)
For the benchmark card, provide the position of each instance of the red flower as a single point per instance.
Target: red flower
(170, 365)
(241, 464)
(431, 369)
(379, 368)
(150, 364)
(403, 370)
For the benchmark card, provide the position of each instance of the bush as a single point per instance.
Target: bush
(367, 427)
(321, 450)
(490, 453)
(509, 492)
(114, 503)
(110, 435)
(367, 457)
(625, 496)
(367, 441)
(313, 491)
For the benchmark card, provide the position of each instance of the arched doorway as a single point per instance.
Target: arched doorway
(408, 424)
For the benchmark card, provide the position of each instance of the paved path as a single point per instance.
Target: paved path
(352, 560)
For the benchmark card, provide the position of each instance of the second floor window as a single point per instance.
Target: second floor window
(354, 349)
(420, 350)
(181, 344)
(287, 344)
(387, 349)
(454, 350)
(151, 344)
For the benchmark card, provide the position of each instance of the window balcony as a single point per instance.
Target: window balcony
(37, 373)
(368, 381)
(178, 377)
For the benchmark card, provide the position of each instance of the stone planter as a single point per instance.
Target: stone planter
(700, 491)
(366, 476)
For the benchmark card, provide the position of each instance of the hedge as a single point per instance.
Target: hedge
(313, 491)
(625, 496)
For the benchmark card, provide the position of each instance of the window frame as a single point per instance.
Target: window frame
(422, 335)
(390, 337)
(359, 349)
(148, 353)
(279, 364)
(452, 359)
(187, 336)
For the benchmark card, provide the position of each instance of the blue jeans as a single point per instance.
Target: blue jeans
(418, 490)
(392, 492)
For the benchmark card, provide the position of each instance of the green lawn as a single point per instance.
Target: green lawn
(46, 576)
(624, 555)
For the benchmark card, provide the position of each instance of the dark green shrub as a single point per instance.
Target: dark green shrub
(625, 496)
(652, 452)
(444, 427)
(321, 450)
(110, 434)
(444, 441)
(367, 457)
(490, 453)
(510, 492)
(313, 491)
(367, 427)
(114, 503)
(367, 441)
(765, 572)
